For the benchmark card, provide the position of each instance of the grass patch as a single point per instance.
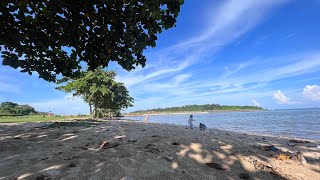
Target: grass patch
(37, 118)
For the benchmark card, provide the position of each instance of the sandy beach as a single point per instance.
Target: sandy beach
(121, 149)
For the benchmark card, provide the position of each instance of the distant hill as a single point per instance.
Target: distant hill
(199, 108)
(15, 109)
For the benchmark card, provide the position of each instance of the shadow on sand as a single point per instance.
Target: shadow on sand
(126, 150)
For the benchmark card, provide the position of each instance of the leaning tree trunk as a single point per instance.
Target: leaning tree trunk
(94, 112)
(90, 105)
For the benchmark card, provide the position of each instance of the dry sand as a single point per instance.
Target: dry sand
(134, 150)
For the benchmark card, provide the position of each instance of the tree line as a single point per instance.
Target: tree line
(205, 107)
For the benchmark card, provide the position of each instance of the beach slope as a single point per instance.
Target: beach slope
(134, 150)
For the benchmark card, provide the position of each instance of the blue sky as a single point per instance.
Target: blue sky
(231, 52)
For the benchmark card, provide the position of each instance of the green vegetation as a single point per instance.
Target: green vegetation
(57, 37)
(10, 108)
(98, 88)
(16, 119)
(200, 108)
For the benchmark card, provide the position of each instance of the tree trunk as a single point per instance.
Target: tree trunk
(95, 112)
(90, 105)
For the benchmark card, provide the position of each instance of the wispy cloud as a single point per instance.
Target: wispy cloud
(231, 20)
(291, 35)
(281, 98)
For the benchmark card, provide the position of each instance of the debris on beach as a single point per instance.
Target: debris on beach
(143, 130)
(218, 166)
(283, 156)
(84, 148)
(260, 165)
(168, 158)
(267, 148)
(291, 144)
(120, 138)
(175, 143)
(72, 165)
(264, 166)
(298, 156)
(152, 148)
(273, 148)
(132, 140)
(244, 176)
(298, 141)
(108, 144)
(45, 158)
(43, 177)
(70, 158)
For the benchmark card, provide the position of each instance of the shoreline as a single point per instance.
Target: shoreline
(137, 150)
(239, 131)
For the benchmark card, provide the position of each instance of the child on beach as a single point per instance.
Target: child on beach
(146, 119)
(190, 121)
(202, 127)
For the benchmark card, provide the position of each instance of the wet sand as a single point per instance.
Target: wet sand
(135, 150)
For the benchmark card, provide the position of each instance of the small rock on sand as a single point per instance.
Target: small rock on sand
(298, 141)
(218, 166)
(291, 144)
(168, 158)
(43, 177)
(152, 148)
(72, 165)
(175, 143)
(244, 176)
(132, 140)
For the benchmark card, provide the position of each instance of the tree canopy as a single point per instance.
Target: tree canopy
(99, 89)
(10, 108)
(59, 36)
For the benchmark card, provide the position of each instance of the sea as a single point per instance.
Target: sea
(296, 123)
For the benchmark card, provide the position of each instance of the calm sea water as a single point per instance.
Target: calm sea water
(300, 123)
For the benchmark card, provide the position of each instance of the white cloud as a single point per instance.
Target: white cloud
(312, 92)
(281, 98)
(255, 103)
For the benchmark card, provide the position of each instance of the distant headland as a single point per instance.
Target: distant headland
(187, 109)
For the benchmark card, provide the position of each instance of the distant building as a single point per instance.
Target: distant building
(49, 113)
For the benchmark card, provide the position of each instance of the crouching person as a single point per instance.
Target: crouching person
(202, 127)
